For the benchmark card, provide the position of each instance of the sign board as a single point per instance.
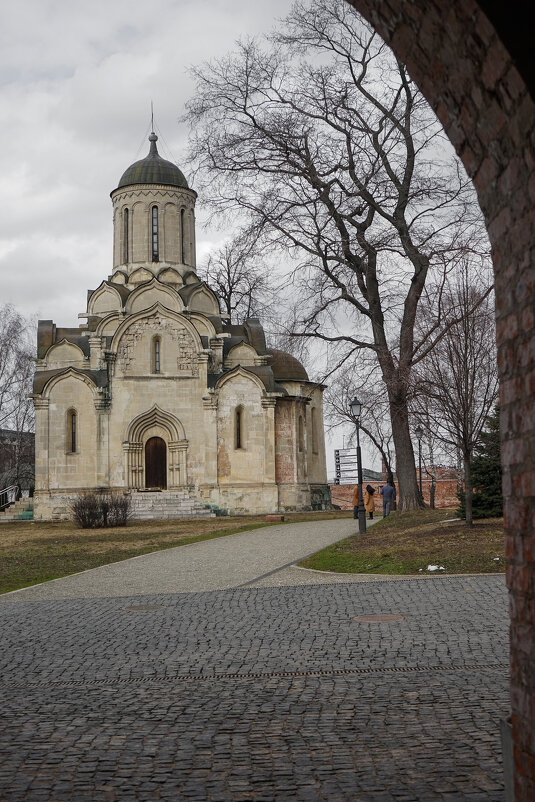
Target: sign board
(345, 466)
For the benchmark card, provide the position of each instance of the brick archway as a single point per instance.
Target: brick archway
(461, 65)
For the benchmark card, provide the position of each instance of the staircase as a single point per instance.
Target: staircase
(147, 505)
(21, 510)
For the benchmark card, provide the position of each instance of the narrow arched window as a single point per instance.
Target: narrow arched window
(301, 434)
(314, 422)
(155, 236)
(156, 354)
(72, 431)
(125, 235)
(238, 427)
(182, 238)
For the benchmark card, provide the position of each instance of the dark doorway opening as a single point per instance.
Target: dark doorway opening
(156, 463)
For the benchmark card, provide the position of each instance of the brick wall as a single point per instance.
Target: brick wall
(458, 60)
(445, 495)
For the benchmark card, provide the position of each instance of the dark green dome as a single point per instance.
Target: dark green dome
(153, 170)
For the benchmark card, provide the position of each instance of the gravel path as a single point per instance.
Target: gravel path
(246, 558)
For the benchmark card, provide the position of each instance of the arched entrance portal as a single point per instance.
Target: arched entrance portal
(164, 467)
(156, 463)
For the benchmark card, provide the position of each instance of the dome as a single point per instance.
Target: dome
(153, 170)
(286, 367)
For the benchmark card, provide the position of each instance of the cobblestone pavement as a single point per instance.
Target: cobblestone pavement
(268, 693)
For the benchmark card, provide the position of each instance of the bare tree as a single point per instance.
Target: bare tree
(16, 409)
(240, 277)
(362, 381)
(457, 384)
(326, 146)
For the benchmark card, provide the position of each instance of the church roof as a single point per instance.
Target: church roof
(42, 377)
(153, 170)
(286, 367)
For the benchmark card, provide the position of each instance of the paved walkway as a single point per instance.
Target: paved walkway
(226, 562)
(253, 693)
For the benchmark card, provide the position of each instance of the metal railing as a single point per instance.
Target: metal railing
(8, 496)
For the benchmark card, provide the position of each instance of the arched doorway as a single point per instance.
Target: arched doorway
(156, 463)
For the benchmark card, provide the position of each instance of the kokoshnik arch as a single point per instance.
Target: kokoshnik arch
(474, 63)
(158, 393)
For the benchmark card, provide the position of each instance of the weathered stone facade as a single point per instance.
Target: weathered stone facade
(158, 389)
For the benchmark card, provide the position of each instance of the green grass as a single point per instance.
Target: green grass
(406, 543)
(32, 552)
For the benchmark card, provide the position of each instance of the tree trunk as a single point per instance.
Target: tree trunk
(409, 497)
(432, 492)
(468, 491)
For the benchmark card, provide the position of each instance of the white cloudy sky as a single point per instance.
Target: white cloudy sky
(76, 83)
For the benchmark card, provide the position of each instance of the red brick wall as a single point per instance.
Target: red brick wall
(284, 442)
(445, 495)
(454, 54)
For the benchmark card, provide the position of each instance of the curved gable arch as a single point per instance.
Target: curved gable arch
(140, 276)
(241, 354)
(156, 308)
(70, 373)
(168, 275)
(204, 300)
(108, 325)
(104, 299)
(239, 371)
(204, 326)
(155, 417)
(153, 292)
(64, 353)
(120, 277)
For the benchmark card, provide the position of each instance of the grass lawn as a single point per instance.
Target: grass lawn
(406, 543)
(32, 552)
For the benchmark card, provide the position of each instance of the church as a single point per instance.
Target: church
(158, 394)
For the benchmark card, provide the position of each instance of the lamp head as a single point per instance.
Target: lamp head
(356, 407)
(419, 432)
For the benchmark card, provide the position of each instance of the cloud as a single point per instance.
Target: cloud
(76, 81)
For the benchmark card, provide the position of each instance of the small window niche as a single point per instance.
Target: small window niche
(156, 355)
(155, 235)
(72, 431)
(126, 249)
(314, 422)
(182, 237)
(301, 434)
(238, 428)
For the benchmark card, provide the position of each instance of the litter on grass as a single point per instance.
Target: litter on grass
(435, 568)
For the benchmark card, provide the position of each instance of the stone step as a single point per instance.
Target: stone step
(168, 504)
(21, 510)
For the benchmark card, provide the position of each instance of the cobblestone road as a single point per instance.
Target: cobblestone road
(270, 693)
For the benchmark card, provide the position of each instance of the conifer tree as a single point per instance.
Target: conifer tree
(486, 472)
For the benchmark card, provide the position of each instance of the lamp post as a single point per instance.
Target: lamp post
(356, 409)
(419, 432)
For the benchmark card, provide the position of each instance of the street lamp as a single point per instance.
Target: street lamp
(356, 409)
(419, 432)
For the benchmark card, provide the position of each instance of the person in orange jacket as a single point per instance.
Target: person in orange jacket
(369, 501)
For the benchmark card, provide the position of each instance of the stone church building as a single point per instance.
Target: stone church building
(159, 394)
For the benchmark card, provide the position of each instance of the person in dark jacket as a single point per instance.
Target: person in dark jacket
(388, 493)
(356, 502)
